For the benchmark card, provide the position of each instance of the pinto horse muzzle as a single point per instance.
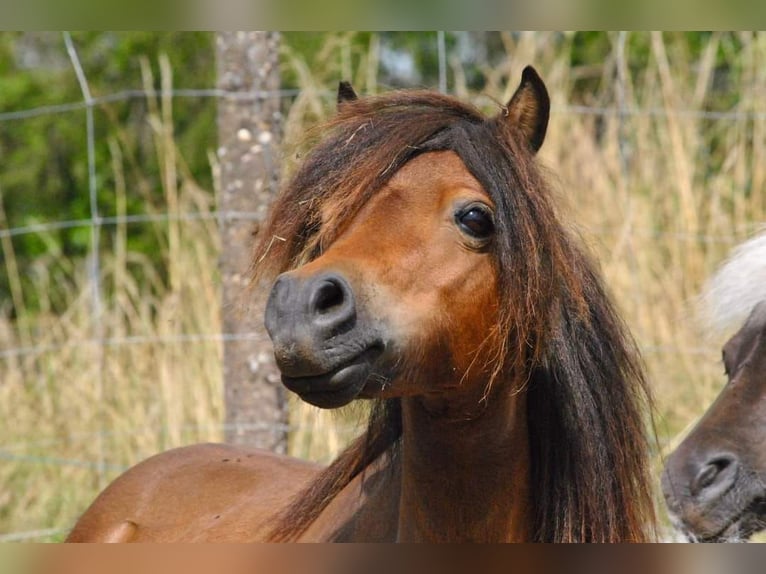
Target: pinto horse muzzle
(714, 481)
(323, 344)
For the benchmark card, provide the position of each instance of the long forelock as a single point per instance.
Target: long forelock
(361, 149)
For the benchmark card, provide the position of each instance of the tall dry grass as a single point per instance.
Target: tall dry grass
(660, 198)
(73, 416)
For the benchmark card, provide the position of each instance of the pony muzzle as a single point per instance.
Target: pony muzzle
(324, 352)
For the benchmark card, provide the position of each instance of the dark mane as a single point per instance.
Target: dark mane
(558, 331)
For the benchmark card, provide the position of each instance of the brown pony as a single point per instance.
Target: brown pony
(423, 266)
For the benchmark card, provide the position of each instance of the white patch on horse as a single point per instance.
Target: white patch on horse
(737, 287)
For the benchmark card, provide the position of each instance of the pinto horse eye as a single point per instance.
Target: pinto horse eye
(475, 221)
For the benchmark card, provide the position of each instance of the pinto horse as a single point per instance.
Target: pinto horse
(422, 266)
(715, 481)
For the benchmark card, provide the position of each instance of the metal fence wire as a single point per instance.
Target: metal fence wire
(19, 453)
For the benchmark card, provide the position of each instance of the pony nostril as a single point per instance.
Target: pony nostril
(707, 476)
(331, 306)
(716, 476)
(328, 295)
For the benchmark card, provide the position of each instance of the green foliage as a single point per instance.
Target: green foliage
(44, 175)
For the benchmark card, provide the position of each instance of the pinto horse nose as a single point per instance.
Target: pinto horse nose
(309, 310)
(714, 476)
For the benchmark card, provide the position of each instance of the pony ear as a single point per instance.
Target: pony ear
(346, 93)
(529, 108)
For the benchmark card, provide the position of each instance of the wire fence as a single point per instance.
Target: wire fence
(99, 341)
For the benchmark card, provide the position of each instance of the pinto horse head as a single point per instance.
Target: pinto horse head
(715, 481)
(402, 297)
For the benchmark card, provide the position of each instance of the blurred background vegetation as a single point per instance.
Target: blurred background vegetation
(657, 145)
(45, 170)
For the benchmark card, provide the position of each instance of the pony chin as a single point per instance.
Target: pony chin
(341, 386)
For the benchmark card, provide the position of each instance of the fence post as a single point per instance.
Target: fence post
(248, 131)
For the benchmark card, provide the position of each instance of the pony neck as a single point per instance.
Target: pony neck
(465, 480)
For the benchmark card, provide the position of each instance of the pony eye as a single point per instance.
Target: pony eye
(476, 221)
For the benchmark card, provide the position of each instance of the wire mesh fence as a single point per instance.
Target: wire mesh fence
(96, 346)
